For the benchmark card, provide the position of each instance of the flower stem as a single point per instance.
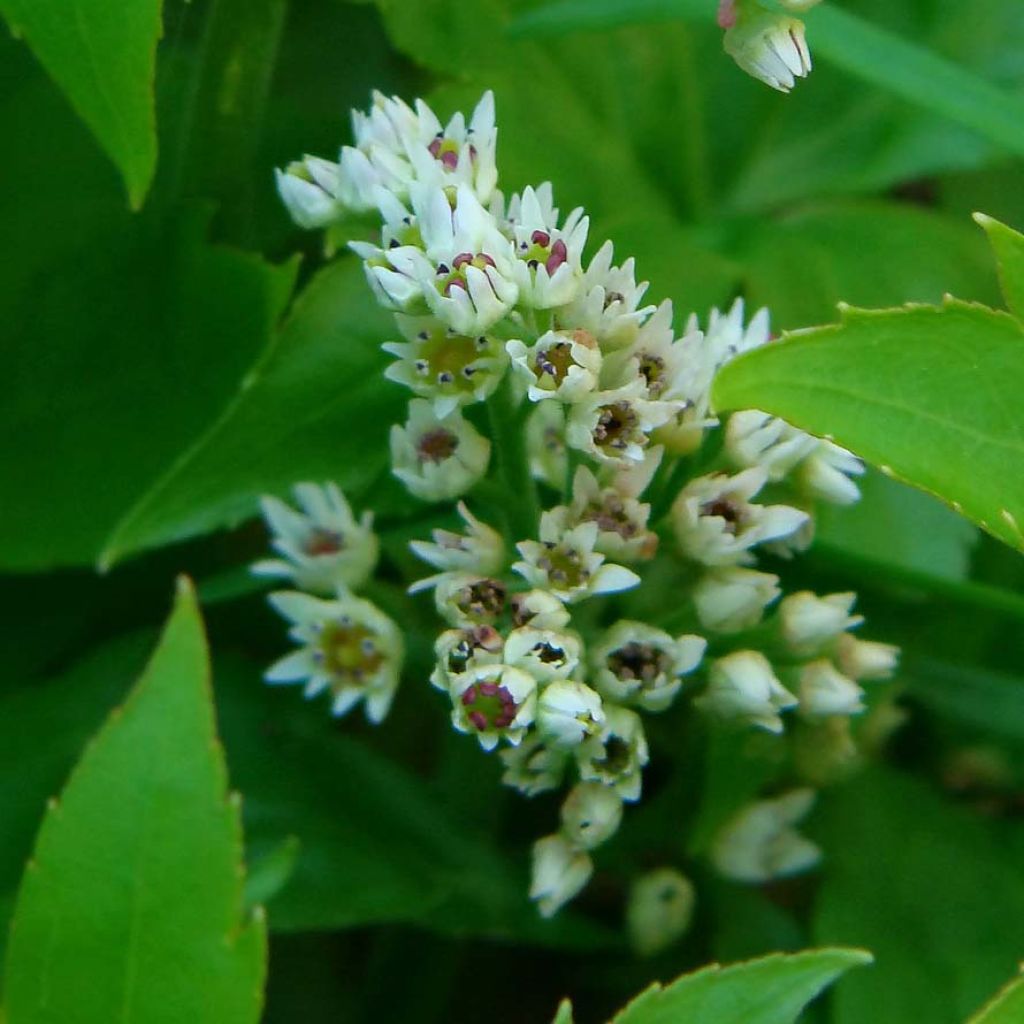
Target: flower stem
(508, 435)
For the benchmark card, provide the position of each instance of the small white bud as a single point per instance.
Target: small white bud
(810, 623)
(770, 47)
(730, 599)
(865, 659)
(568, 712)
(825, 691)
(309, 190)
(659, 911)
(560, 871)
(760, 843)
(742, 686)
(591, 815)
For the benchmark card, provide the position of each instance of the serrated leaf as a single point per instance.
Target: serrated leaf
(102, 54)
(772, 990)
(131, 906)
(1006, 1008)
(928, 394)
(933, 890)
(1008, 246)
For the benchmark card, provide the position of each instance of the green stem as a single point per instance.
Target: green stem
(508, 436)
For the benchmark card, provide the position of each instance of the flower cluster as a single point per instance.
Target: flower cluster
(608, 568)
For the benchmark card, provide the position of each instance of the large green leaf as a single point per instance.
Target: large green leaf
(315, 406)
(928, 394)
(131, 906)
(102, 53)
(940, 909)
(115, 357)
(772, 990)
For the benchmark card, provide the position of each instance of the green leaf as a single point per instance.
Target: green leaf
(131, 906)
(772, 990)
(1006, 1008)
(564, 1014)
(102, 54)
(315, 406)
(871, 53)
(927, 394)
(942, 917)
(1008, 246)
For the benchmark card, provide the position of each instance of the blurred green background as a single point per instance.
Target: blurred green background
(157, 381)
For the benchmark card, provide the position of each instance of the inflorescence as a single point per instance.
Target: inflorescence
(618, 576)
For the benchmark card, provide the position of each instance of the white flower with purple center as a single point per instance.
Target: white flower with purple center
(321, 544)
(494, 702)
(438, 457)
(468, 599)
(349, 647)
(617, 756)
(621, 520)
(564, 365)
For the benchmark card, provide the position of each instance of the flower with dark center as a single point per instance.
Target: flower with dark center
(436, 446)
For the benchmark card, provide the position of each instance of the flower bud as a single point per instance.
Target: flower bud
(825, 691)
(771, 47)
(742, 686)
(760, 843)
(591, 815)
(480, 549)
(560, 871)
(659, 911)
(810, 623)
(729, 599)
(539, 609)
(865, 659)
(309, 190)
(533, 766)
(568, 712)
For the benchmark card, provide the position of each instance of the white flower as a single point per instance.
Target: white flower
(459, 650)
(545, 653)
(539, 609)
(591, 815)
(659, 910)
(824, 691)
(730, 599)
(438, 457)
(663, 363)
(444, 366)
(560, 871)
(565, 561)
(865, 660)
(480, 549)
(545, 442)
(637, 664)
(548, 268)
(621, 520)
(608, 302)
(760, 843)
(309, 190)
(468, 599)
(818, 468)
(466, 272)
(322, 546)
(568, 712)
(771, 48)
(811, 623)
(716, 523)
(397, 146)
(533, 766)
(617, 756)
(742, 686)
(493, 702)
(349, 647)
(561, 364)
(615, 426)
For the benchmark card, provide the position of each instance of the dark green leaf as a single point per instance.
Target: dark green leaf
(927, 394)
(131, 906)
